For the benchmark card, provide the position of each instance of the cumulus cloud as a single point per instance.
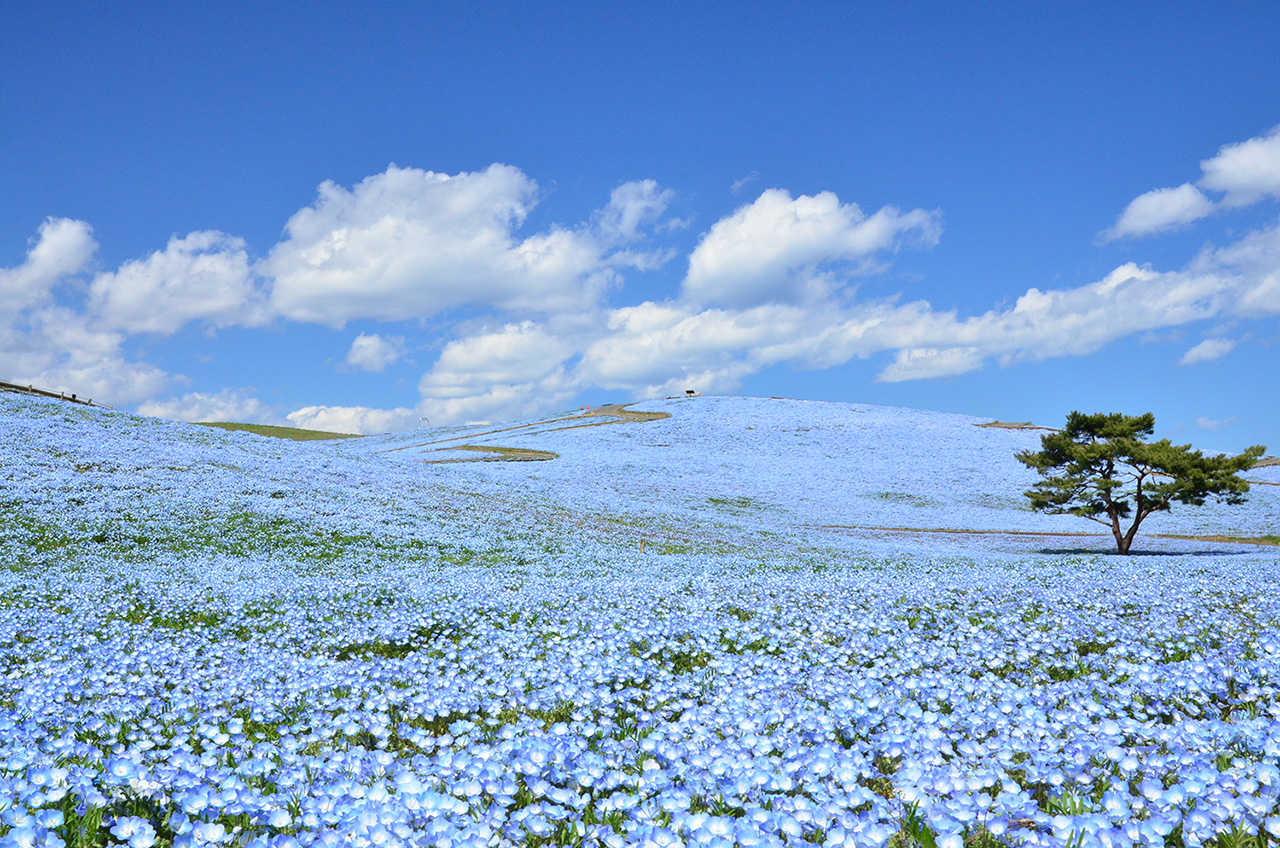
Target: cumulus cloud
(353, 419)
(409, 243)
(54, 346)
(784, 249)
(56, 349)
(1160, 210)
(515, 353)
(769, 284)
(1244, 173)
(204, 276)
(236, 405)
(1247, 172)
(658, 348)
(226, 405)
(517, 369)
(405, 243)
(373, 352)
(653, 347)
(1208, 350)
(1254, 261)
(60, 249)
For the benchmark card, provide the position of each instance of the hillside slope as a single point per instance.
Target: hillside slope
(789, 463)
(213, 637)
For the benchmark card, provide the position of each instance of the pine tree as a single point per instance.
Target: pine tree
(1100, 467)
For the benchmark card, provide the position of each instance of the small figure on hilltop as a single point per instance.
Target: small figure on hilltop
(1098, 467)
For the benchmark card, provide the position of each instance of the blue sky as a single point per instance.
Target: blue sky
(358, 220)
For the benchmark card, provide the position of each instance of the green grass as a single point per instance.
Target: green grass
(32, 541)
(908, 498)
(736, 505)
(1013, 425)
(292, 433)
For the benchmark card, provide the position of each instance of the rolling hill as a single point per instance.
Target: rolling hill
(726, 621)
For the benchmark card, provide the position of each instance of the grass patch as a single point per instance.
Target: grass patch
(29, 539)
(500, 454)
(736, 505)
(292, 433)
(1013, 425)
(907, 498)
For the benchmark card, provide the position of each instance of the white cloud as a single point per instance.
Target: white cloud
(373, 352)
(204, 276)
(1208, 350)
(516, 370)
(661, 348)
(62, 248)
(226, 405)
(784, 249)
(353, 419)
(516, 353)
(57, 347)
(769, 284)
(1247, 172)
(408, 243)
(405, 243)
(57, 350)
(654, 346)
(1254, 261)
(1213, 424)
(739, 185)
(1244, 173)
(631, 206)
(1160, 210)
(499, 402)
(919, 363)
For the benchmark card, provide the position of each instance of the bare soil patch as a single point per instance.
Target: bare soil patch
(499, 454)
(292, 433)
(1015, 425)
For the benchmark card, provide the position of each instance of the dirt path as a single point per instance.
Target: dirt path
(1239, 540)
(616, 412)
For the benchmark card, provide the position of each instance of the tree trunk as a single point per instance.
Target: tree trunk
(1133, 531)
(1122, 541)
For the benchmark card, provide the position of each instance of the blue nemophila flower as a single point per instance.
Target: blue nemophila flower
(449, 673)
(134, 831)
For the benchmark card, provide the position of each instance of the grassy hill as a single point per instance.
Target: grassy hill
(741, 622)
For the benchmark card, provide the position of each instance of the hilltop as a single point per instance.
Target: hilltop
(790, 464)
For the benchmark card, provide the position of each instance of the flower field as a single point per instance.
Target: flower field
(217, 638)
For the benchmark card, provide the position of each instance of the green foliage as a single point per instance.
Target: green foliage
(733, 504)
(915, 830)
(1102, 468)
